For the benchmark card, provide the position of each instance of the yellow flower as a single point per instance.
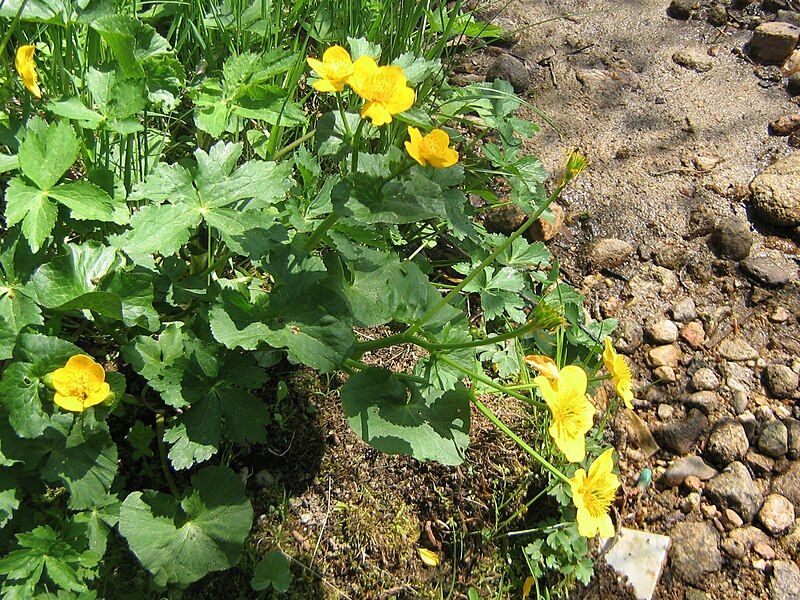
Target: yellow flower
(621, 374)
(429, 557)
(26, 67)
(433, 149)
(80, 384)
(545, 365)
(384, 89)
(571, 409)
(593, 495)
(576, 164)
(334, 69)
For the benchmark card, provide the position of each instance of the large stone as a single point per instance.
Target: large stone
(777, 514)
(708, 402)
(735, 489)
(695, 551)
(773, 42)
(684, 310)
(732, 239)
(630, 335)
(682, 9)
(767, 271)
(607, 253)
(687, 466)
(662, 331)
(727, 442)
(776, 192)
(774, 439)
(679, 436)
(780, 381)
(664, 356)
(785, 581)
(512, 70)
(788, 484)
(704, 380)
(737, 350)
(694, 60)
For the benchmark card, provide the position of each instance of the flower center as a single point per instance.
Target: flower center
(380, 86)
(339, 70)
(597, 498)
(82, 386)
(432, 146)
(567, 414)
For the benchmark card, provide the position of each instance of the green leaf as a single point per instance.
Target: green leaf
(21, 387)
(86, 201)
(271, 104)
(10, 496)
(31, 206)
(8, 162)
(73, 108)
(182, 543)
(131, 41)
(68, 277)
(86, 465)
(141, 437)
(157, 229)
(394, 417)
(272, 570)
(46, 153)
(8, 337)
(96, 523)
(160, 362)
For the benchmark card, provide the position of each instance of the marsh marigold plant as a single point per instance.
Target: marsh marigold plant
(81, 383)
(334, 70)
(593, 494)
(572, 412)
(26, 67)
(621, 375)
(433, 149)
(384, 88)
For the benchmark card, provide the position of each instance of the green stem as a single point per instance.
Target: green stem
(162, 454)
(320, 231)
(487, 412)
(348, 132)
(299, 141)
(510, 335)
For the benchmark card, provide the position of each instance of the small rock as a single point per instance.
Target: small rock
(665, 411)
(731, 520)
(717, 15)
(693, 334)
(694, 60)
(776, 192)
(727, 442)
(505, 219)
(679, 436)
(708, 402)
(750, 424)
(512, 70)
(734, 548)
(693, 483)
(785, 125)
(681, 9)
(785, 581)
(791, 541)
(544, 230)
(764, 550)
(631, 335)
(759, 464)
(773, 42)
(791, 65)
(736, 349)
(780, 381)
(691, 502)
(669, 355)
(662, 331)
(687, 466)
(694, 551)
(793, 428)
(780, 315)
(776, 515)
(609, 253)
(735, 489)
(793, 84)
(788, 16)
(665, 374)
(759, 564)
(732, 239)
(705, 379)
(684, 310)
(774, 439)
(739, 401)
(264, 479)
(748, 536)
(787, 484)
(766, 271)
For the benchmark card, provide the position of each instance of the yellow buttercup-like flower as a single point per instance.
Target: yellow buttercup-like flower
(545, 365)
(384, 88)
(433, 149)
(334, 69)
(621, 374)
(80, 384)
(26, 67)
(593, 495)
(571, 409)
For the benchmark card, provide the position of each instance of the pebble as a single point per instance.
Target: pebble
(544, 230)
(785, 581)
(791, 541)
(739, 401)
(717, 15)
(687, 466)
(776, 514)
(665, 411)
(787, 484)
(693, 334)
(750, 424)
(764, 550)
(774, 439)
(785, 125)
(780, 315)
(780, 381)
(734, 548)
(684, 310)
(512, 70)
(776, 192)
(736, 349)
(662, 331)
(708, 402)
(760, 465)
(690, 503)
(732, 239)
(694, 60)
(727, 442)
(607, 253)
(668, 355)
(680, 435)
(793, 429)
(731, 520)
(693, 483)
(681, 9)
(793, 84)
(631, 335)
(705, 380)
(665, 374)
(694, 551)
(773, 42)
(264, 478)
(735, 489)
(766, 271)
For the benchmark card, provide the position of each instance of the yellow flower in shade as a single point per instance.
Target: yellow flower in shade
(621, 374)
(433, 149)
(334, 69)
(593, 495)
(544, 364)
(26, 67)
(80, 384)
(571, 409)
(384, 89)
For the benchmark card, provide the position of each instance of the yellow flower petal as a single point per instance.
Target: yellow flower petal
(26, 67)
(334, 70)
(429, 557)
(377, 113)
(71, 403)
(573, 448)
(593, 495)
(79, 384)
(413, 146)
(573, 414)
(527, 587)
(572, 380)
(323, 85)
(544, 364)
(402, 99)
(384, 89)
